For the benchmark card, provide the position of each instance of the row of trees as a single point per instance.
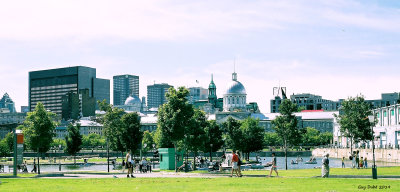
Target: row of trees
(309, 137)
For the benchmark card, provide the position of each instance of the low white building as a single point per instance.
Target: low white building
(387, 130)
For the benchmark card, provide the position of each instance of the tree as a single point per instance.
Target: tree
(130, 134)
(73, 140)
(233, 134)
(112, 125)
(93, 140)
(4, 150)
(194, 134)
(9, 140)
(148, 140)
(57, 142)
(272, 139)
(325, 138)
(285, 125)
(353, 120)
(213, 140)
(311, 137)
(173, 117)
(252, 136)
(39, 130)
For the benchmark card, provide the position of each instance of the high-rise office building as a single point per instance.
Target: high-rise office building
(7, 102)
(156, 94)
(125, 85)
(48, 86)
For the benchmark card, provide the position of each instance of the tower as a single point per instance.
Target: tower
(212, 93)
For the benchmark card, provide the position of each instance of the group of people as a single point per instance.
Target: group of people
(142, 166)
(237, 162)
(356, 161)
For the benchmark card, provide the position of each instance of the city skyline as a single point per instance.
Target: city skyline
(334, 49)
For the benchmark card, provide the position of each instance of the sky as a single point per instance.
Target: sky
(332, 48)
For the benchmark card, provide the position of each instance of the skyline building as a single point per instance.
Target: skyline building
(123, 87)
(197, 94)
(156, 94)
(75, 106)
(48, 86)
(8, 103)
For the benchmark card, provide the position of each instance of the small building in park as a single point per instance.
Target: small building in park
(167, 158)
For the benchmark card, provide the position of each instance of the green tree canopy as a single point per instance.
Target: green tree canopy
(73, 140)
(148, 140)
(233, 133)
(112, 125)
(93, 140)
(130, 133)
(252, 136)
(173, 116)
(39, 129)
(272, 139)
(353, 119)
(213, 133)
(285, 125)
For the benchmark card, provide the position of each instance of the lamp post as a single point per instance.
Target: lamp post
(374, 170)
(154, 148)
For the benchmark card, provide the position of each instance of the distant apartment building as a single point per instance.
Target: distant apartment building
(49, 86)
(7, 103)
(24, 109)
(307, 101)
(197, 94)
(156, 94)
(123, 87)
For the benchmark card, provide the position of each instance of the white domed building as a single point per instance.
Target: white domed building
(235, 96)
(132, 103)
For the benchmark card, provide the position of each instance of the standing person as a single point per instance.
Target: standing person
(343, 166)
(353, 160)
(365, 162)
(144, 165)
(239, 163)
(235, 160)
(129, 164)
(357, 160)
(34, 166)
(361, 162)
(325, 166)
(273, 165)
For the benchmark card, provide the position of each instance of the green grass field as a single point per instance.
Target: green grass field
(290, 180)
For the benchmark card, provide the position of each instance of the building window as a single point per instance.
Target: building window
(384, 113)
(392, 112)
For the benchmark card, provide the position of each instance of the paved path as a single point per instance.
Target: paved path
(138, 175)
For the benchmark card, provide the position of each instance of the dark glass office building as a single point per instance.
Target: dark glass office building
(156, 94)
(48, 86)
(124, 85)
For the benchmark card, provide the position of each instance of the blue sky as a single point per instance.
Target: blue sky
(335, 48)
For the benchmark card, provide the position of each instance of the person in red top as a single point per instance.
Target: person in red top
(235, 160)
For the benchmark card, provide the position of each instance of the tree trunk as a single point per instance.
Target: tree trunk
(176, 168)
(194, 161)
(285, 155)
(351, 145)
(210, 156)
(38, 165)
(74, 160)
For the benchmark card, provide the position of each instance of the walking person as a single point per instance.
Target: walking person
(34, 166)
(129, 164)
(239, 163)
(343, 166)
(325, 166)
(365, 162)
(273, 165)
(235, 160)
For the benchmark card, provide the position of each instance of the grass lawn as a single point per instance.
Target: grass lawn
(195, 184)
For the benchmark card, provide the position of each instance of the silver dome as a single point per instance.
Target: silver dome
(133, 100)
(236, 88)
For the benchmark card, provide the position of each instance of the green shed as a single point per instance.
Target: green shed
(167, 158)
